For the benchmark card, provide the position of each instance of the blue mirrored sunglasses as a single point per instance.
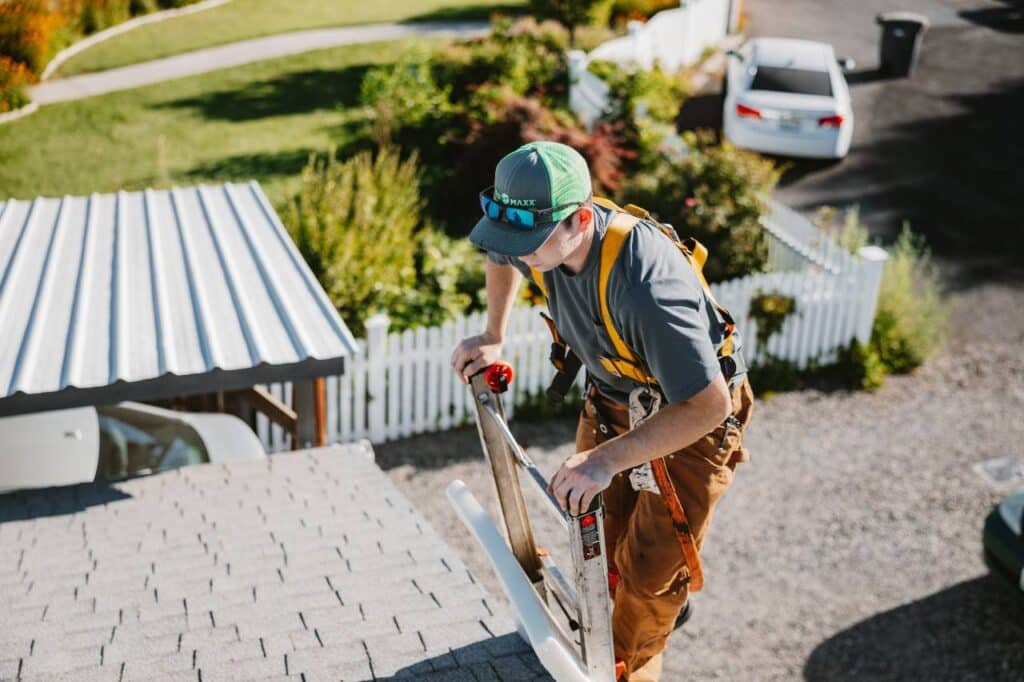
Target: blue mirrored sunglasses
(522, 218)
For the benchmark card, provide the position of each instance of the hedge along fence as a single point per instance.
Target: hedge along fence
(671, 39)
(401, 384)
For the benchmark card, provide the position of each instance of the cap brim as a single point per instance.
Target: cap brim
(499, 237)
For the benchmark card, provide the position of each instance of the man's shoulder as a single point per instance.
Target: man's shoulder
(650, 259)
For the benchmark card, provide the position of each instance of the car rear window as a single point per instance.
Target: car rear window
(784, 79)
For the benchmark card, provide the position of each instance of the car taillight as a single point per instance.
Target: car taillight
(747, 112)
(831, 121)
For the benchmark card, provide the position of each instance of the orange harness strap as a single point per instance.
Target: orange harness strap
(686, 543)
(668, 495)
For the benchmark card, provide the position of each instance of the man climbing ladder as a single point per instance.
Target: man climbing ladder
(628, 302)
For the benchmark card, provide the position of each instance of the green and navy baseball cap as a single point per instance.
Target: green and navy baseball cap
(537, 176)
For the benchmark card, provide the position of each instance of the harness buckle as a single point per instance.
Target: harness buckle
(643, 402)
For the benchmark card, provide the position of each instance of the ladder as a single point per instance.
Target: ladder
(534, 582)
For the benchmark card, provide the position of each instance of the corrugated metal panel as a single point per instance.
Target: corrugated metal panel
(134, 286)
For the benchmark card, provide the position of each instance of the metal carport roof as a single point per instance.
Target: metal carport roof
(144, 295)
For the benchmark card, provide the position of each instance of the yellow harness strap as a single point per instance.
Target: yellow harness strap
(627, 364)
(538, 279)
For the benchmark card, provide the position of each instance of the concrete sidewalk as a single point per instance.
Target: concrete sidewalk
(235, 54)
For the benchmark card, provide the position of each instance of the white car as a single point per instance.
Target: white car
(789, 97)
(81, 444)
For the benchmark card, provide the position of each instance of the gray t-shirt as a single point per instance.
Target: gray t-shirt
(657, 303)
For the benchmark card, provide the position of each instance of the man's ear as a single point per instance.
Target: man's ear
(584, 217)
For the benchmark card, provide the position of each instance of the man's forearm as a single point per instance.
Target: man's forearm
(502, 286)
(672, 428)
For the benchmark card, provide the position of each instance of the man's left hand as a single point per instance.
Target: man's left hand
(580, 478)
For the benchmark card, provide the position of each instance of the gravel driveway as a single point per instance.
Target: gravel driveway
(849, 548)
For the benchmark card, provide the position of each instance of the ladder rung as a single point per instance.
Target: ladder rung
(555, 579)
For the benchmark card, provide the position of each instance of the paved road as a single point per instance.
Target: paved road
(942, 148)
(238, 53)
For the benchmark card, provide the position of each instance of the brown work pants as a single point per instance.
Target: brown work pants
(641, 541)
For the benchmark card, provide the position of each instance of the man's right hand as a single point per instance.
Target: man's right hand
(474, 354)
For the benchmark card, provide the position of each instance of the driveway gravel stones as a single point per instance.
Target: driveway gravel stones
(849, 548)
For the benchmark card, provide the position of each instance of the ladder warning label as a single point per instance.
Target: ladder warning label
(591, 539)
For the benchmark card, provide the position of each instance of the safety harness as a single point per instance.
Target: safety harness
(626, 363)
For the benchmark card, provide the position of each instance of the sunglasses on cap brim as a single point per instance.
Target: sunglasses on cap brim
(521, 218)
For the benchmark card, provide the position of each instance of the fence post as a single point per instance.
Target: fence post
(376, 382)
(872, 264)
(578, 67)
(639, 46)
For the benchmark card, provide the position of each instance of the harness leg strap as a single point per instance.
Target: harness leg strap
(682, 528)
(675, 508)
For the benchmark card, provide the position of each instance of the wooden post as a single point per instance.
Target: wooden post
(304, 434)
(320, 408)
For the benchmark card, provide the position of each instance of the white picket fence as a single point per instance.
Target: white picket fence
(401, 384)
(671, 38)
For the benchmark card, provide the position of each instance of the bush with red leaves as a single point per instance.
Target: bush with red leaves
(511, 121)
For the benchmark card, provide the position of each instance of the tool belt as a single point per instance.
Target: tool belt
(664, 486)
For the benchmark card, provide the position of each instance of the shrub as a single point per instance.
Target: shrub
(524, 56)
(851, 234)
(857, 367)
(588, 38)
(713, 193)
(26, 31)
(455, 94)
(96, 15)
(769, 311)
(14, 76)
(402, 94)
(637, 92)
(143, 6)
(356, 223)
(910, 322)
(622, 11)
(450, 281)
(511, 121)
(572, 13)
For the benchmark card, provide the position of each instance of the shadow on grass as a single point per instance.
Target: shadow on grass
(971, 630)
(251, 166)
(302, 92)
(467, 13)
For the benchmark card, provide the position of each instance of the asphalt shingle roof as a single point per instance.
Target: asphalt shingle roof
(306, 564)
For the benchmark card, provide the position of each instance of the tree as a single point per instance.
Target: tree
(572, 13)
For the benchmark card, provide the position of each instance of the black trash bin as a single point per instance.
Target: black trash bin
(900, 42)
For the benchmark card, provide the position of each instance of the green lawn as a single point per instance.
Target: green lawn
(242, 19)
(257, 121)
